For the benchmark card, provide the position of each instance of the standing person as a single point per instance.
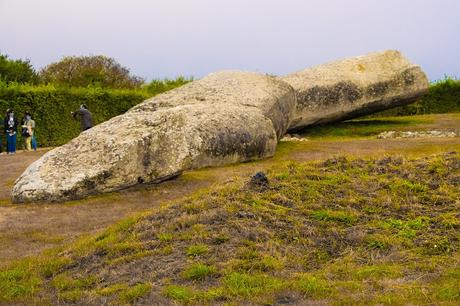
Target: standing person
(1, 141)
(28, 128)
(11, 127)
(34, 142)
(86, 118)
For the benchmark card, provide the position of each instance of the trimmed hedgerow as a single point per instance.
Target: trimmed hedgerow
(443, 97)
(51, 107)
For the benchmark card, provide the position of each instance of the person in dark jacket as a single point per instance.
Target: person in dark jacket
(86, 118)
(11, 128)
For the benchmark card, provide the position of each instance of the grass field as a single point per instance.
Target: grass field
(342, 221)
(369, 127)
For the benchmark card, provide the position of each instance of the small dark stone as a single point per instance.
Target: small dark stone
(433, 185)
(248, 215)
(259, 179)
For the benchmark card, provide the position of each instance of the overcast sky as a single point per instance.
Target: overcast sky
(167, 38)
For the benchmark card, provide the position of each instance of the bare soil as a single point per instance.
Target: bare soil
(29, 229)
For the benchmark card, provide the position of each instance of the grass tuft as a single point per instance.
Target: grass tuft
(199, 271)
(131, 294)
(247, 285)
(197, 250)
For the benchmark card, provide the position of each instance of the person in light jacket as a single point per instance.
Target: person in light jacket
(28, 128)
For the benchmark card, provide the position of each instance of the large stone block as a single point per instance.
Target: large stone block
(355, 87)
(224, 118)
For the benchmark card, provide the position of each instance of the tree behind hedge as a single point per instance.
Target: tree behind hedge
(20, 71)
(83, 71)
(158, 86)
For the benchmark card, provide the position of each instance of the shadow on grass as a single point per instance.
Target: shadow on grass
(361, 128)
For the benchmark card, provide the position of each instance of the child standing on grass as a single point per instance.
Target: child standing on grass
(11, 127)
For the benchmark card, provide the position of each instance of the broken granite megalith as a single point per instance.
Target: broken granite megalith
(355, 87)
(226, 117)
(223, 118)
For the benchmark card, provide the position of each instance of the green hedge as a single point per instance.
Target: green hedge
(51, 107)
(443, 97)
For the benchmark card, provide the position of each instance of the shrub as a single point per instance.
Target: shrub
(443, 97)
(95, 70)
(157, 86)
(20, 71)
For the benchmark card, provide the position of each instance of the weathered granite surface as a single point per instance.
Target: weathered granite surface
(354, 87)
(226, 117)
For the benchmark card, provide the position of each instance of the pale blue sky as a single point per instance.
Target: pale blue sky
(166, 38)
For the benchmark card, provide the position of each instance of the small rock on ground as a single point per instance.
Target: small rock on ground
(417, 134)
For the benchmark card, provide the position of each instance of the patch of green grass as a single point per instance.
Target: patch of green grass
(179, 293)
(270, 263)
(376, 272)
(24, 278)
(449, 220)
(118, 238)
(439, 246)
(18, 282)
(187, 295)
(131, 294)
(365, 127)
(247, 285)
(199, 271)
(50, 265)
(166, 250)
(334, 215)
(64, 282)
(165, 237)
(312, 287)
(220, 239)
(377, 242)
(449, 293)
(118, 260)
(197, 250)
(253, 261)
(404, 186)
(112, 289)
(45, 237)
(74, 295)
(407, 229)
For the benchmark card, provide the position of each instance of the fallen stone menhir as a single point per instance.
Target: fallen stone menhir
(226, 117)
(354, 87)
